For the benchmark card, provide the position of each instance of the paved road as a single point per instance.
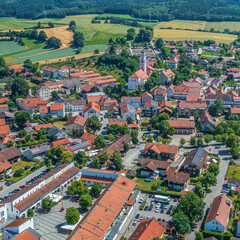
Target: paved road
(7, 189)
(215, 190)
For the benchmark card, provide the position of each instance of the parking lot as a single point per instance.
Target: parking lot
(160, 214)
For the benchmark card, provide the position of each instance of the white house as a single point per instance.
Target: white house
(218, 215)
(137, 78)
(91, 109)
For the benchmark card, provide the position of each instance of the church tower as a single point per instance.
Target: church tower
(143, 61)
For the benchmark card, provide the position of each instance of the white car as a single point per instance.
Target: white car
(141, 200)
(157, 210)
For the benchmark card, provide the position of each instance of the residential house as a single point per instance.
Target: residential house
(176, 180)
(227, 100)
(45, 89)
(166, 77)
(173, 61)
(8, 117)
(4, 130)
(147, 229)
(75, 125)
(48, 71)
(62, 142)
(187, 109)
(195, 162)
(134, 101)
(36, 152)
(203, 74)
(72, 84)
(45, 126)
(218, 215)
(5, 139)
(165, 107)
(114, 110)
(150, 108)
(75, 105)
(127, 110)
(160, 94)
(11, 154)
(145, 97)
(235, 111)
(194, 85)
(5, 166)
(183, 126)
(206, 121)
(88, 137)
(192, 56)
(137, 78)
(57, 110)
(92, 109)
(238, 227)
(164, 151)
(107, 102)
(44, 111)
(152, 167)
(96, 97)
(4, 108)
(233, 182)
(59, 133)
(181, 92)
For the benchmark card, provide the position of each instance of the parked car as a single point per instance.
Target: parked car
(162, 210)
(146, 208)
(137, 216)
(8, 183)
(150, 208)
(22, 186)
(163, 220)
(134, 223)
(157, 210)
(159, 219)
(141, 200)
(175, 199)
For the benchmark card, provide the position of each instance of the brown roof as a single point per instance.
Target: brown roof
(88, 137)
(164, 104)
(182, 124)
(235, 110)
(147, 230)
(161, 148)
(205, 117)
(57, 106)
(10, 153)
(153, 164)
(192, 105)
(178, 177)
(197, 156)
(219, 210)
(17, 222)
(60, 142)
(168, 73)
(26, 202)
(77, 102)
(39, 127)
(79, 120)
(139, 74)
(4, 129)
(87, 88)
(26, 235)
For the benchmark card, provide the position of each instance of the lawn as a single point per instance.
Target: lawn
(8, 47)
(211, 53)
(172, 34)
(142, 185)
(59, 124)
(233, 172)
(182, 24)
(22, 164)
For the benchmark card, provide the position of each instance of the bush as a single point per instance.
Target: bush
(19, 172)
(220, 236)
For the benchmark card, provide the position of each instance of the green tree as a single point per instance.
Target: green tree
(104, 156)
(96, 163)
(59, 153)
(193, 141)
(208, 179)
(208, 138)
(80, 157)
(19, 172)
(154, 121)
(191, 206)
(100, 142)
(53, 42)
(117, 160)
(50, 24)
(9, 144)
(234, 149)
(131, 34)
(85, 202)
(159, 43)
(42, 36)
(200, 141)
(129, 120)
(126, 147)
(198, 235)
(214, 168)
(181, 223)
(72, 215)
(96, 51)
(182, 141)
(30, 213)
(134, 133)
(111, 137)
(218, 138)
(54, 95)
(19, 88)
(47, 204)
(67, 157)
(93, 124)
(78, 39)
(198, 190)
(165, 129)
(135, 140)
(96, 189)
(77, 188)
(49, 164)
(72, 26)
(231, 139)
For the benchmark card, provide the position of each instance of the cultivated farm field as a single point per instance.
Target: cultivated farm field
(220, 26)
(172, 34)
(8, 47)
(191, 25)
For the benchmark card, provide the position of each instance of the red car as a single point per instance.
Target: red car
(33, 179)
(22, 186)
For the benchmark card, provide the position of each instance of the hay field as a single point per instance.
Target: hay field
(61, 33)
(220, 26)
(171, 34)
(192, 25)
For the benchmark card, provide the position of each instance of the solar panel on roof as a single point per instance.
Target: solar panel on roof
(198, 155)
(79, 145)
(45, 147)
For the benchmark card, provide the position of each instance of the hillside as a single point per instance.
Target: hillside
(162, 10)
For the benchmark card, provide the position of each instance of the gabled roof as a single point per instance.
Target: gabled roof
(153, 164)
(168, 73)
(182, 123)
(197, 156)
(220, 210)
(4, 129)
(57, 106)
(192, 105)
(79, 120)
(177, 177)
(4, 165)
(146, 94)
(10, 153)
(17, 222)
(39, 127)
(88, 137)
(205, 117)
(60, 142)
(139, 74)
(91, 105)
(147, 230)
(161, 148)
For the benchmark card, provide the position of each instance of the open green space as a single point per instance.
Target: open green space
(22, 164)
(32, 52)
(146, 186)
(220, 26)
(7, 47)
(233, 172)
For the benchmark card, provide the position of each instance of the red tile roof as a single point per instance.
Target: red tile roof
(168, 73)
(192, 105)
(2, 122)
(235, 110)
(43, 109)
(147, 230)
(16, 68)
(161, 148)
(139, 74)
(177, 177)
(153, 164)
(39, 127)
(87, 88)
(91, 105)
(205, 117)
(26, 235)
(79, 120)
(125, 98)
(88, 137)
(17, 222)
(4, 165)
(60, 142)
(4, 130)
(182, 123)
(146, 94)
(220, 210)
(57, 106)
(3, 100)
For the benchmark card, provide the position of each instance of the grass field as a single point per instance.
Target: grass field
(220, 26)
(8, 47)
(59, 124)
(171, 34)
(192, 25)
(22, 164)
(233, 172)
